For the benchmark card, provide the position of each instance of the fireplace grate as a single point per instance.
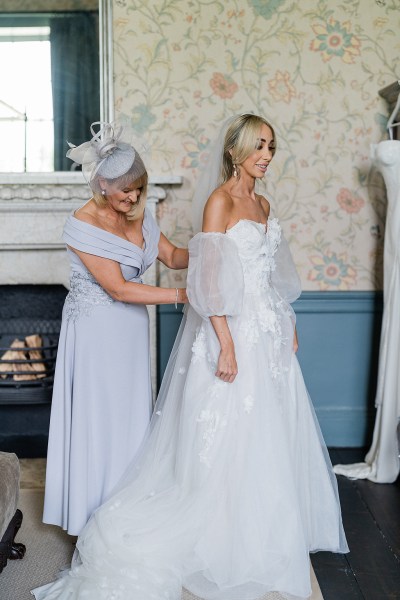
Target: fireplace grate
(14, 388)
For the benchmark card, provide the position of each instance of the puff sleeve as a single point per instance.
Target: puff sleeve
(215, 277)
(284, 278)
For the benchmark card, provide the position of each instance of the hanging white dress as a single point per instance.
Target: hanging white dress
(382, 463)
(234, 487)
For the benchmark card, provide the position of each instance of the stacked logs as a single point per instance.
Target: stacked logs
(23, 360)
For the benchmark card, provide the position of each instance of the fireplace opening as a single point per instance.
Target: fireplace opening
(27, 364)
(30, 321)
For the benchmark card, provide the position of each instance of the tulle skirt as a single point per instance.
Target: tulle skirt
(232, 491)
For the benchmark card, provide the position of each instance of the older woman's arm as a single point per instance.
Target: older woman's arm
(170, 255)
(108, 274)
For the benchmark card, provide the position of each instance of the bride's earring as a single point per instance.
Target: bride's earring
(103, 192)
(234, 170)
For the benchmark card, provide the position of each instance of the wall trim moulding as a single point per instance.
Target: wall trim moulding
(338, 302)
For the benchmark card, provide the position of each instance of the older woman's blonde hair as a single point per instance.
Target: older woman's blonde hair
(135, 176)
(241, 139)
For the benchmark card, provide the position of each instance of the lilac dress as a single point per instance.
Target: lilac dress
(102, 400)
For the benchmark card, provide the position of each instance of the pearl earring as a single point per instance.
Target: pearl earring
(103, 192)
(234, 170)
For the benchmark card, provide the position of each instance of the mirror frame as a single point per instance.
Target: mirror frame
(106, 60)
(106, 103)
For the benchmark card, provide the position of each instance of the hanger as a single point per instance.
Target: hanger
(391, 93)
(391, 123)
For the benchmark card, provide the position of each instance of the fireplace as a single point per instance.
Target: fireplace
(28, 310)
(27, 362)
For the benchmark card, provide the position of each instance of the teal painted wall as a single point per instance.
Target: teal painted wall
(338, 353)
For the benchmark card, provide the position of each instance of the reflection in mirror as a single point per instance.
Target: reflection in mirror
(49, 69)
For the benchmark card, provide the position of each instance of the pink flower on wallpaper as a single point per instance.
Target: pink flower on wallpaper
(349, 202)
(280, 87)
(223, 85)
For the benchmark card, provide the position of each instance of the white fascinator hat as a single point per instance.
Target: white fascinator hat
(109, 153)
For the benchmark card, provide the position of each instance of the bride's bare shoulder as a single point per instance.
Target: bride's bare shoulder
(217, 210)
(220, 200)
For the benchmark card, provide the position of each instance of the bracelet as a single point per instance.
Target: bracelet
(176, 298)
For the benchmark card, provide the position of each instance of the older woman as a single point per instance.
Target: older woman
(102, 399)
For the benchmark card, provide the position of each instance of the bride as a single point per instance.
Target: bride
(234, 487)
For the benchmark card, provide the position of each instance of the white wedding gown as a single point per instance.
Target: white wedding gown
(234, 487)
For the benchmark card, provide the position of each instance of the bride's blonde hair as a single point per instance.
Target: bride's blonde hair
(241, 140)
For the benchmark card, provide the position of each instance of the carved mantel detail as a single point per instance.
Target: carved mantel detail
(33, 210)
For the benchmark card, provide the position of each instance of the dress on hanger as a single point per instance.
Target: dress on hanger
(382, 463)
(234, 487)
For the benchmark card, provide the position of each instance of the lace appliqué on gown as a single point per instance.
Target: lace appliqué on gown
(257, 253)
(84, 295)
(265, 319)
(263, 315)
(212, 419)
(199, 348)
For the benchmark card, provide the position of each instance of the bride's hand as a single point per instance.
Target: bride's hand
(227, 366)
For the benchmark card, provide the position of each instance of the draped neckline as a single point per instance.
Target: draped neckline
(108, 234)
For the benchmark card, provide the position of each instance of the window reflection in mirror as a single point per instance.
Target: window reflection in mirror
(49, 69)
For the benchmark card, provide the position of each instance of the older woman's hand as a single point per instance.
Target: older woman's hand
(182, 297)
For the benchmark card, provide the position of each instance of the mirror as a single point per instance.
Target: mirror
(55, 68)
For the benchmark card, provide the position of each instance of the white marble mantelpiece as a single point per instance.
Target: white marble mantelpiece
(33, 211)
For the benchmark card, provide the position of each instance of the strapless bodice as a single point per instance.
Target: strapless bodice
(257, 244)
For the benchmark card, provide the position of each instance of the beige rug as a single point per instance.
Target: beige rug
(50, 549)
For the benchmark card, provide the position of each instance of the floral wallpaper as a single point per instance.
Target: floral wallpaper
(313, 68)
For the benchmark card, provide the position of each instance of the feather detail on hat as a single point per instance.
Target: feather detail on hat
(108, 154)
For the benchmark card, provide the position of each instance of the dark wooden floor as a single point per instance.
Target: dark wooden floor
(371, 518)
